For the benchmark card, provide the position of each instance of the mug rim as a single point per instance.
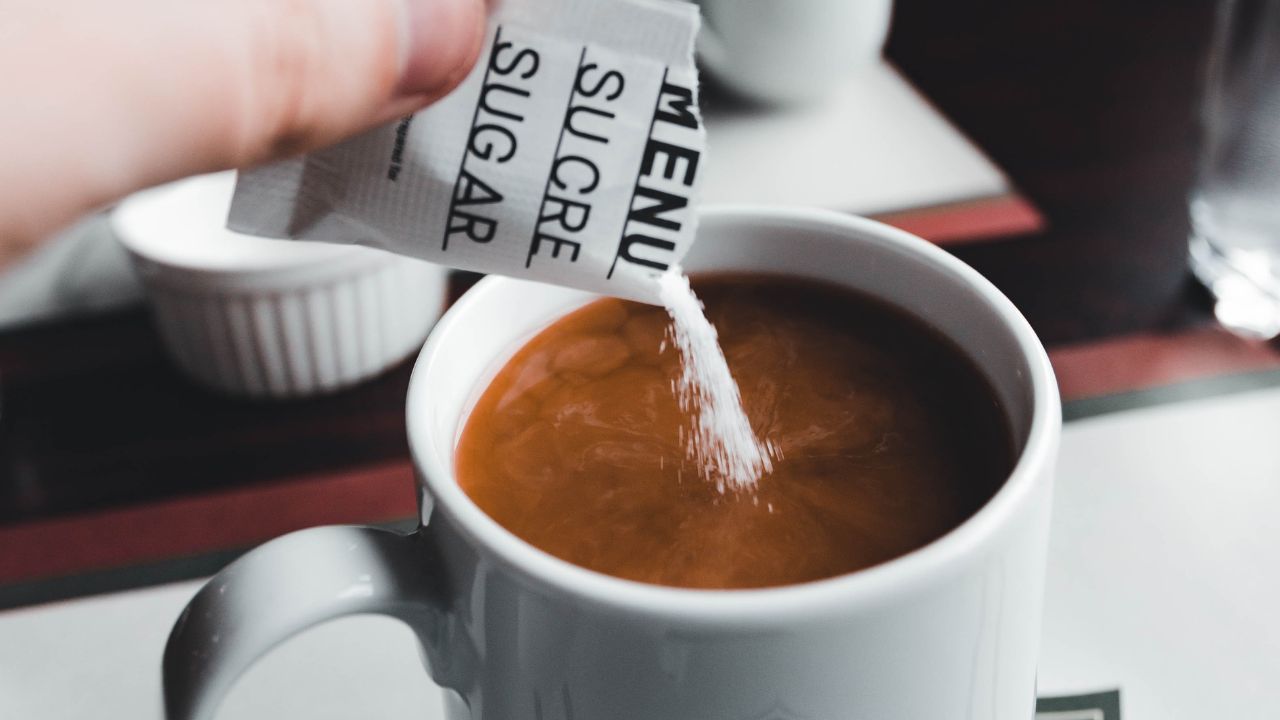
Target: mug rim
(816, 598)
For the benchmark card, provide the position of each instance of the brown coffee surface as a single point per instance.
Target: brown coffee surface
(889, 438)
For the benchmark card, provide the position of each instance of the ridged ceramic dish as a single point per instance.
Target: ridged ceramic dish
(271, 318)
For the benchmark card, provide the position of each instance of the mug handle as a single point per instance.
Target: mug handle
(285, 586)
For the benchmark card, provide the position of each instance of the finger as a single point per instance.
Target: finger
(116, 96)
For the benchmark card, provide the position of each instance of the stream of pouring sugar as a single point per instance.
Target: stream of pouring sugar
(723, 443)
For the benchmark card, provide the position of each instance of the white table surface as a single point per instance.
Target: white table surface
(1164, 560)
(874, 145)
(1163, 581)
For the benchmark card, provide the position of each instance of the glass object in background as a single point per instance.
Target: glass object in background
(1235, 203)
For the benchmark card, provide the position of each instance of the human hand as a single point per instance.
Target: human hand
(103, 98)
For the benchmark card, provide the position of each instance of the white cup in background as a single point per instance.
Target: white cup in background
(951, 630)
(270, 318)
(786, 51)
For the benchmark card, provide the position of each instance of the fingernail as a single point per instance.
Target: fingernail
(443, 38)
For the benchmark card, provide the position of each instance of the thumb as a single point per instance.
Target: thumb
(122, 95)
(311, 72)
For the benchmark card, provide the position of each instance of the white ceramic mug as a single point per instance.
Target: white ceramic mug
(950, 630)
(782, 51)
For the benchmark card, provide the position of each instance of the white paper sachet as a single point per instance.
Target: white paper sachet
(571, 154)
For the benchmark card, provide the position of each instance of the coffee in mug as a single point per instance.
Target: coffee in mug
(886, 437)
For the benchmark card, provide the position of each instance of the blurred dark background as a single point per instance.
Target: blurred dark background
(1090, 108)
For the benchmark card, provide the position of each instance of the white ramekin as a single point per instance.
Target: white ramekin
(271, 318)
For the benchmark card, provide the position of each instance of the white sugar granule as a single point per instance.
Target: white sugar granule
(723, 444)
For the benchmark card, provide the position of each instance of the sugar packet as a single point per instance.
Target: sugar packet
(571, 154)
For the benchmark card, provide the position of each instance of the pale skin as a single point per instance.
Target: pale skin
(99, 98)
